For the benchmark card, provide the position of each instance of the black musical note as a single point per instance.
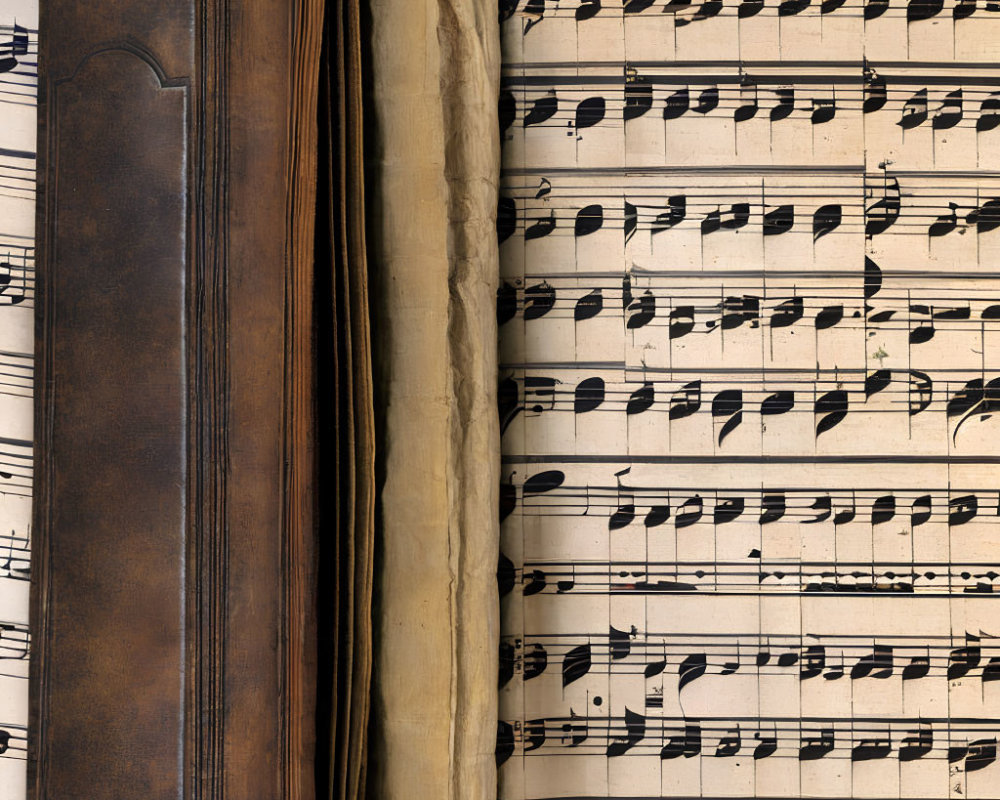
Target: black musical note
(687, 401)
(589, 395)
(730, 744)
(587, 9)
(576, 664)
(18, 47)
(625, 512)
(920, 510)
(534, 11)
(779, 220)
(538, 300)
(638, 95)
(986, 217)
(778, 403)
(506, 111)
(914, 111)
(631, 221)
(689, 512)
(729, 404)
(588, 306)
(708, 100)
(917, 10)
(787, 313)
(962, 509)
(878, 664)
(768, 745)
(687, 744)
(589, 219)
(831, 409)
(788, 8)
(677, 210)
(543, 109)
(786, 97)
(707, 10)
(963, 9)
(989, 113)
(505, 742)
(641, 312)
(748, 110)
(690, 669)
(590, 112)
(641, 399)
(880, 216)
(950, 113)
(868, 749)
(677, 104)
(824, 110)
(875, 95)
(635, 732)
(826, 219)
(541, 227)
(816, 747)
(946, 223)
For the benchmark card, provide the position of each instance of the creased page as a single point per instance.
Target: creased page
(749, 393)
(432, 183)
(18, 81)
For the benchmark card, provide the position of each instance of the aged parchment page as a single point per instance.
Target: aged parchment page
(434, 164)
(749, 384)
(18, 80)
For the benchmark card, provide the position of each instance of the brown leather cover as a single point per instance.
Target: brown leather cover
(172, 610)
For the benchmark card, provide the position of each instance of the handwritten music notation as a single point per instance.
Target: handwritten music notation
(853, 204)
(547, 494)
(970, 743)
(748, 396)
(683, 658)
(18, 93)
(687, 12)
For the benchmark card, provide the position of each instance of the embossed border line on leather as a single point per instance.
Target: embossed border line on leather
(172, 526)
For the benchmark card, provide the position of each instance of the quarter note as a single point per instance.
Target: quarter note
(817, 746)
(786, 99)
(677, 104)
(635, 732)
(824, 110)
(686, 744)
(880, 216)
(543, 109)
(914, 111)
(917, 10)
(950, 113)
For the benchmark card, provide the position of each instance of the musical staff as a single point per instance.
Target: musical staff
(970, 743)
(18, 92)
(748, 393)
(691, 656)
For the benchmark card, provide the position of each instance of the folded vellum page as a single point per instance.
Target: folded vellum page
(433, 265)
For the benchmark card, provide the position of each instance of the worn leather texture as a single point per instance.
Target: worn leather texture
(173, 624)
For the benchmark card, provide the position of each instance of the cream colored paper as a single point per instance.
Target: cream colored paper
(18, 82)
(749, 383)
(434, 270)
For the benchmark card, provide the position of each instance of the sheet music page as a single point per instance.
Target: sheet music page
(750, 399)
(18, 83)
